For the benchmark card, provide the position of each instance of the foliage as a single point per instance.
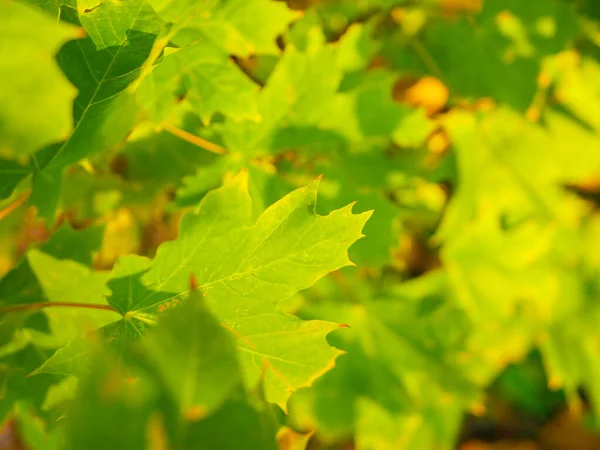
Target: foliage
(169, 279)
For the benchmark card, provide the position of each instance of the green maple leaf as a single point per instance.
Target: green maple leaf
(20, 285)
(200, 381)
(51, 7)
(39, 278)
(504, 45)
(265, 187)
(368, 111)
(63, 281)
(449, 42)
(37, 37)
(240, 27)
(159, 159)
(107, 22)
(107, 400)
(548, 27)
(11, 174)
(578, 87)
(67, 281)
(207, 78)
(413, 129)
(437, 426)
(61, 393)
(300, 104)
(357, 47)
(398, 343)
(255, 429)
(104, 112)
(76, 245)
(344, 184)
(520, 168)
(305, 31)
(572, 366)
(243, 269)
(298, 94)
(330, 405)
(195, 186)
(198, 366)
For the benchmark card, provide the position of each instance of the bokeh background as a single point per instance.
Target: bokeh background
(470, 127)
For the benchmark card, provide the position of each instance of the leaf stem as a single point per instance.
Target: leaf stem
(193, 139)
(14, 205)
(425, 57)
(36, 306)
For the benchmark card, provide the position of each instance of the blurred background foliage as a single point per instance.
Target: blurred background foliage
(470, 127)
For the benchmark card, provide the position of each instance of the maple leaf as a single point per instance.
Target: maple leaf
(243, 269)
(240, 27)
(24, 130)
(206, 77)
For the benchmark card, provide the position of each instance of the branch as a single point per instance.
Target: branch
(36, 306)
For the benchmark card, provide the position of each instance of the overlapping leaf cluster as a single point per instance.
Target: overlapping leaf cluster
(169, 278)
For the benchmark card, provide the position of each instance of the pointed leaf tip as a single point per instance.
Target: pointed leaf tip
(344, 325)
(193, 282)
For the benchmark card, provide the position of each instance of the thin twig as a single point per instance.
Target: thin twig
(193, 139)
(14, 205)
(36, 306)
(425, 57)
